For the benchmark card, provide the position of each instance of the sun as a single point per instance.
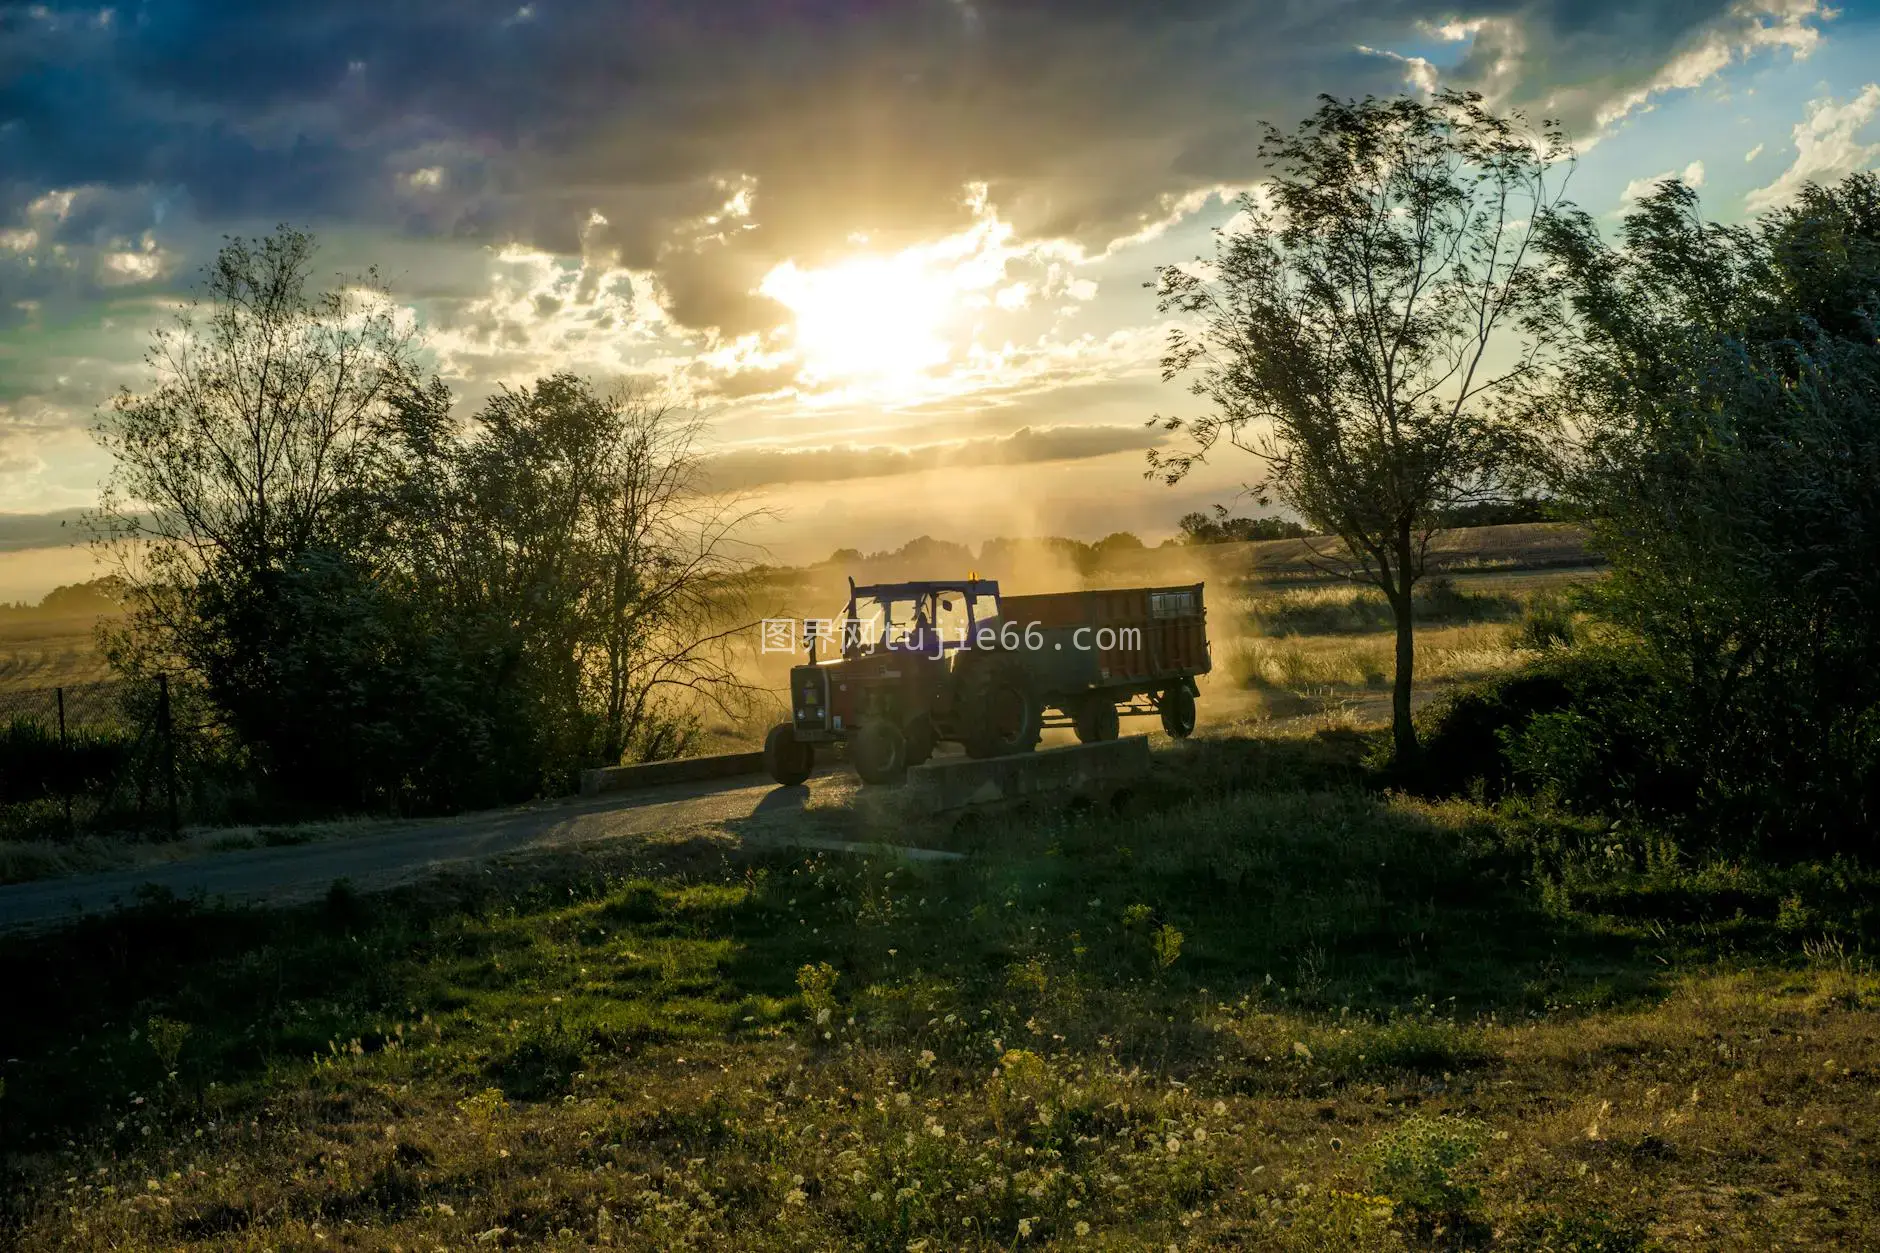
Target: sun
(867, 319)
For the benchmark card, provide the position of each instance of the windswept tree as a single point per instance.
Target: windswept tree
(1372, 327)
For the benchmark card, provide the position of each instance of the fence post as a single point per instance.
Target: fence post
(167, 733)
(65, 765)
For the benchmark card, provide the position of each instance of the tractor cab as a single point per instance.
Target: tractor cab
(926, 618)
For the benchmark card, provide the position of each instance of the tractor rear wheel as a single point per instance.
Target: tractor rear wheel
(1000, 712)
(1178, 712)
(879, 752)
(786, 760)
(1097, 720)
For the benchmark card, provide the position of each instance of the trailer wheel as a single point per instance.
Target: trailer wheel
(879, 752)
(1097, 720)
(1178, 712)
(1002, 715)
(785, 759)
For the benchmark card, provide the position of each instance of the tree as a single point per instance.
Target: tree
(380, 607)
(669, 599)
(1725, 387)
(238, 494)
(1372, 332)
(589, 575)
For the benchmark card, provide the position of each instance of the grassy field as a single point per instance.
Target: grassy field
(47, 651)
(1263, 1006)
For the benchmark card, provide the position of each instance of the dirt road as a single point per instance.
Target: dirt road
(401, 852)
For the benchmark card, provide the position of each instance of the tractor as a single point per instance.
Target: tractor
(923, 662)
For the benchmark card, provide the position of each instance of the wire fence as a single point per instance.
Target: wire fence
(88, 759)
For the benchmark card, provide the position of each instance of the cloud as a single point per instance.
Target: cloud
(1088, 121)
(20, 531)
(1691, 175)
(744, 469)
(1827, 148)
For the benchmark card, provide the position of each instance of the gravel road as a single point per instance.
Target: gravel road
(404, 851)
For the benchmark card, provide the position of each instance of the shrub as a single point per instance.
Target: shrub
(1421, 1163)
(1588, 727)
(1546, 624)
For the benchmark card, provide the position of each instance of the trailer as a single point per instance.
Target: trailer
(1108, 654)
(925, 662)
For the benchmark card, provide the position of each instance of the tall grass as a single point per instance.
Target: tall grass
(1303, 663)
(1354, 610)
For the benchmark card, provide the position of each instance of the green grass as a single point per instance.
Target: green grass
(1266, 1007)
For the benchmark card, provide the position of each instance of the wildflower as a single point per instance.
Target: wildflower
(901, 1099)
(795, 1196)
(938, 1131)
(1220, 1109)
(1174, 1144)
(1024, 1228)
(927, 1057)
(1083, 1228)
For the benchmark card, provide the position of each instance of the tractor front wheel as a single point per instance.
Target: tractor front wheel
(785, 759)
(879, 752)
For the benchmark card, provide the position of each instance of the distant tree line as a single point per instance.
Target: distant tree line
(937, 558)
(375, 602)
(1221, 528)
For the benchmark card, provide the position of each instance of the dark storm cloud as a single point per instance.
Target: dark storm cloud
(493, 122)
(41, 530)
(740, 471)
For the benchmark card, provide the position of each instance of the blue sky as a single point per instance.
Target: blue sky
(895, 250)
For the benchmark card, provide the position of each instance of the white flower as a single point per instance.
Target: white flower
(795, 1196)
(1083, 1228)
(1024, 1228)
